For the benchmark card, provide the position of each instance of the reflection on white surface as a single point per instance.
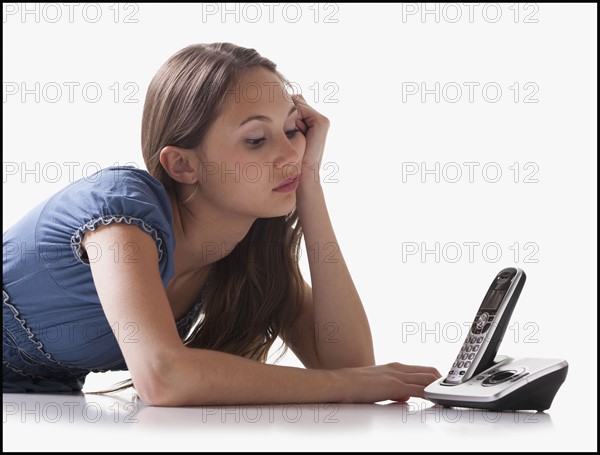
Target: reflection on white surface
(113, 410)
(121, 421)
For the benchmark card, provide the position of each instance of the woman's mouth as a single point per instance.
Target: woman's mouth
(288, 185)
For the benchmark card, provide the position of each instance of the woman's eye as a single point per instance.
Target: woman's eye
(255, 142)
(258, 142)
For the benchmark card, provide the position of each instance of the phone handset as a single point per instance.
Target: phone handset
(487, 330)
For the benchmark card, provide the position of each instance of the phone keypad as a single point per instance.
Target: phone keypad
(471, 346)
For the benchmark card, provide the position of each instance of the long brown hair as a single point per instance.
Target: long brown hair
(255, 291)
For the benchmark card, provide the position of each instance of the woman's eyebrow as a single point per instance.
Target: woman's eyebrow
(264, 118)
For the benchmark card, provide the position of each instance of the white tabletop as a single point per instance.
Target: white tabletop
(123, 422)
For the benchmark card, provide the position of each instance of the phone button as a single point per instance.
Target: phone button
(519, 376)
(486, 327)
(471, 356)
(476, 348)
(461, 373)
(500, 376)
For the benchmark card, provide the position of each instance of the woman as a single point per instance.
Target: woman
(186, 274)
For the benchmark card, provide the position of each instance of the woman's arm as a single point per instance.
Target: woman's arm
(164, 371)
(342, 335)
(167, 373)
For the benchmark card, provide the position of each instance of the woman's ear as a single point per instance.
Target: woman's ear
(180, 164)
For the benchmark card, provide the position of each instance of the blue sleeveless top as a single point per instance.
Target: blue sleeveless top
(55, 331)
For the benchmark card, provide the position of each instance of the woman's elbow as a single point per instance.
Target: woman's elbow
(157, 383)
(153, 392)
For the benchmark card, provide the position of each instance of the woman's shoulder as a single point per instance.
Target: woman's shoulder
(120, 188)
(49, 236)
(120, 180)
(115, 194)
(122, 194)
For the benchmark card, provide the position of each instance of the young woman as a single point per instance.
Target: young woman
(187, 273)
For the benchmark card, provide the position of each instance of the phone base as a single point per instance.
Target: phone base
(534, 386)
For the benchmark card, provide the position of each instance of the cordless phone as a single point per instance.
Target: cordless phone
(488, 328)
(480, 379)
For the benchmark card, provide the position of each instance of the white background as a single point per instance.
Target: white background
(356, 64)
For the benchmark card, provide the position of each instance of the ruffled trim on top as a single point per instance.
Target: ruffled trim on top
(108, 219)
(31, 337)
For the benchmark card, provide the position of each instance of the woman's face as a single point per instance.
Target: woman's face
(246, 157)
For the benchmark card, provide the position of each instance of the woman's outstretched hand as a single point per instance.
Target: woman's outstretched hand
(392, 381)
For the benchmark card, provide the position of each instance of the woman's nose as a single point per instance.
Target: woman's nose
(288, 154)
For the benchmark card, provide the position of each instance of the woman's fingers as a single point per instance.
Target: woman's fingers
(418, 378)
(392, 381)
(414, 378)
(301, 126)
(413, 390)
(309, 115)
(415, 369)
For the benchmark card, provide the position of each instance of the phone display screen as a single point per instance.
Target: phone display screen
(493, 299)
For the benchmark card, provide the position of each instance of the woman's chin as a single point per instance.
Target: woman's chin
(282, 213)
(285, 209)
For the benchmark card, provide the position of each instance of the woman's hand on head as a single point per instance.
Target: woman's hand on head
(314, 126)
(392, 381)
